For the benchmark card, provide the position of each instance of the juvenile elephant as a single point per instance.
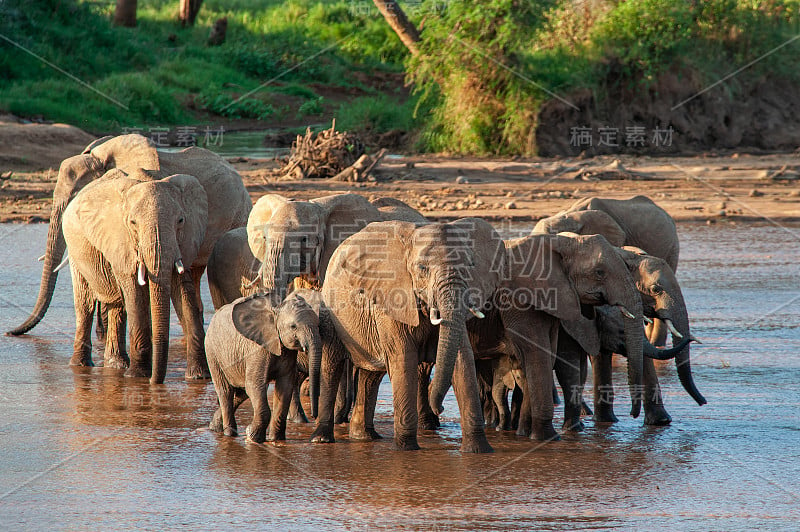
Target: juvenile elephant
(390, 289)
(228, 201)
(251, 342)
(297, 238)
(129, 239)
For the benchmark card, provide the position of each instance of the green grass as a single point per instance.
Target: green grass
(163, 74)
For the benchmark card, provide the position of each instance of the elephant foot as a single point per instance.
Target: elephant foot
(230, 432)
(277, 436)
(197, 372)
(138, 372)
(405, 444)
(115, 362)
(505, 424)
(256, 434)
(341, 416)
(81, 359)
(585, 410)
(323, 434)
(429, 422)
(298, 417)
(216, 421)
(476, 443)
(544, 431)
(604, 413)
(657, 416)
(523, 429)
(573, 425)
(368, 434)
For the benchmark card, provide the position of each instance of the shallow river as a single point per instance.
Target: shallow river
(86, 449)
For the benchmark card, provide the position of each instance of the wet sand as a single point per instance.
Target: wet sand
(87, 449)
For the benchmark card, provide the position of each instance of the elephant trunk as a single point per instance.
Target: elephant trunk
(651, 351)
(314, 349)
(159, 265)
(274, 276)
(634, 336)
(55, 252)
(682, 359)
(452, 333)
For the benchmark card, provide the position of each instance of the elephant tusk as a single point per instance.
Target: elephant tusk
(63, 263)
(694, 339)
(140, 274)
(179, 266)
(477, 313)
(672, 329)
(40, 259)
(647, 320)
(250, 284)
(435, 318)
(626, 312)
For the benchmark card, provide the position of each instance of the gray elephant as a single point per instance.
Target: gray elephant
(228, 201)
(391, 288)
(552, 278)
(129, 239)
(297, 238)
(251, 342)
(662, 299)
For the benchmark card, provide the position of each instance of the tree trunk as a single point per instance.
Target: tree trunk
(188, 11)
(398, 21)
(125, 13)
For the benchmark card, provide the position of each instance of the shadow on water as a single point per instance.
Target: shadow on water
(88, 448)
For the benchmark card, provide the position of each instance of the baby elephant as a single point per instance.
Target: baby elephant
(249, 343)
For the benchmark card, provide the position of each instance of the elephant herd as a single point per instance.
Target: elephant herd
(344, 290)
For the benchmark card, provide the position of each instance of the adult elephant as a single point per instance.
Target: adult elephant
(391, 288)
(296, 239)
(662, 299)
(553, 278)
(228, 201)
(128, 240)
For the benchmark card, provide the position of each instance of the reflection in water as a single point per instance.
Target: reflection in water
(87, 448)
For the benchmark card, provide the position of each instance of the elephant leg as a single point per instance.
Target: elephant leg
(217, 423)
(603, 388)
(517, 399)
(654, 411)
(403, 364)
(465, 386)
(84, 300)
(427, 419)
(196, 364)
(101, 327)
(197, 274)
(342, 409)
(256, 388)
(500, 399)
(362, 422)
(137, 307)
(585, 410)
(485, 371)
(540, 347)
(331, 374)
(285, 386)
(296, 412)
(115, 355)
(525, 419)
(568, 372)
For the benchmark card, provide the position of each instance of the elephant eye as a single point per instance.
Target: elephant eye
(600, 273)
(294, 326)
(422, 268)
(180, 220)
(133, 222)
(657, 289)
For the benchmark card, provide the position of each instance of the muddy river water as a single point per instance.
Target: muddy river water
(85, 449)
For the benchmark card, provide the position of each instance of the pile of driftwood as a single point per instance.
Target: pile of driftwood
(329, 154)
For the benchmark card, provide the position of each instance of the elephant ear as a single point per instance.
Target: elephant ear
(589, 222)
(75, 173)
(258, 220)
(490, 256)
(537, 275)
(191, 195)
(128, 152)
(254, 318)
(374, 262)
(583, 331)
(347, 214)
(99, 207)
